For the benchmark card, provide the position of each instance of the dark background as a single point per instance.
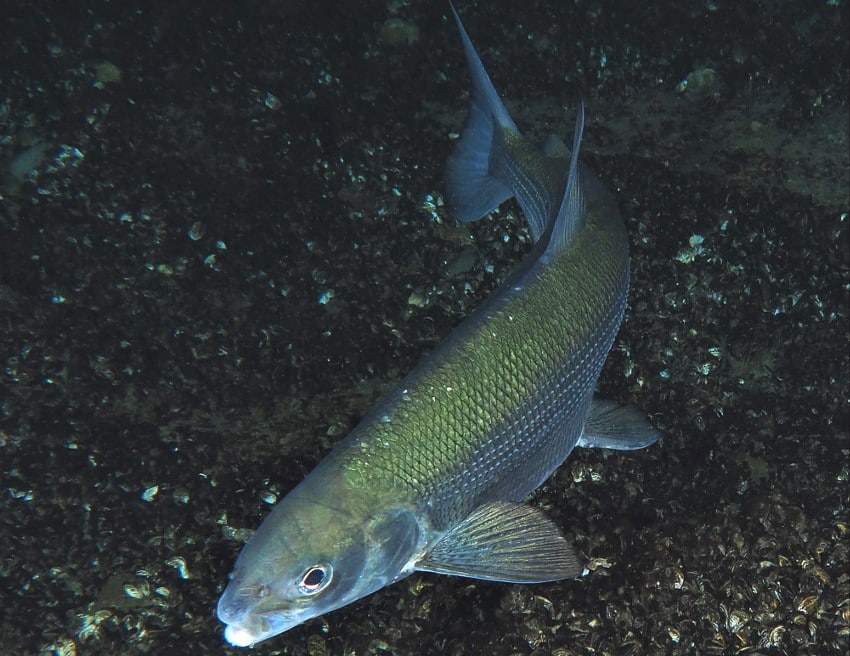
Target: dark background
(205, 173)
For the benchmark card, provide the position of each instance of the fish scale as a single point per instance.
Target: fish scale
(426, 444)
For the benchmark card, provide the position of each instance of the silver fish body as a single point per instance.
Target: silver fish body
(434, 478)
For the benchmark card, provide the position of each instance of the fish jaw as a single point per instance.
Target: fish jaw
(245, 623)
(253, 629)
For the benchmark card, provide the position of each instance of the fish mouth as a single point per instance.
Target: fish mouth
(245, 625)
(239, 636)
(253, 628)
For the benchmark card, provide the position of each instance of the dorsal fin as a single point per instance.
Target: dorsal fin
(571, 214)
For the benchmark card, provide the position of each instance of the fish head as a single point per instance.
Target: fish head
(311, 556)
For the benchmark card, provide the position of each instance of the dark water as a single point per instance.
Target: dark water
(207, 173)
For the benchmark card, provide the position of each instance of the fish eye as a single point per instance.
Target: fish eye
(315, 579)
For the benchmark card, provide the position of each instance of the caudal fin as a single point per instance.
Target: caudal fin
(492, 162)
(473, 189)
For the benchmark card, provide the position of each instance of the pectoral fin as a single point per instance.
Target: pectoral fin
(504, 541)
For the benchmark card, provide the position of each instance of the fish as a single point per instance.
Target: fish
(436, 477)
